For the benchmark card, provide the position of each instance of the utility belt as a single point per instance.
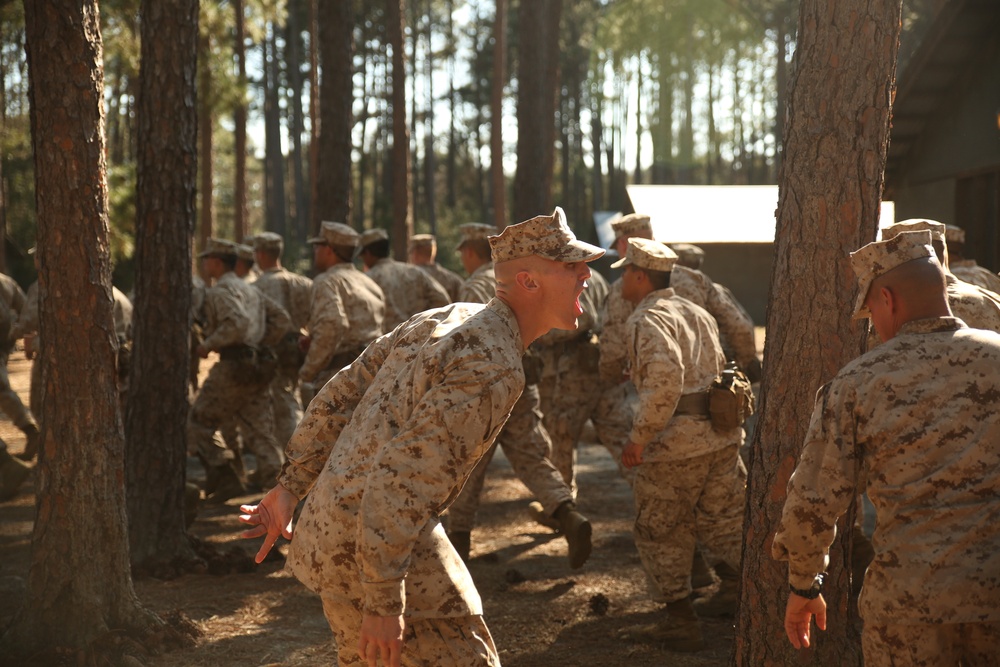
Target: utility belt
(345, 358)
(727, 402)
(694, 405)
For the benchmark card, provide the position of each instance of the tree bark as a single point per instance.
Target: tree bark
(496, 116)
(829, 193)
(314, 116)
(402, 213)
(336, 53)
(537, 76)
(157, 405)
(274, 159)
(79, 587)
(296, 122)
(241, 216)
(206, 124)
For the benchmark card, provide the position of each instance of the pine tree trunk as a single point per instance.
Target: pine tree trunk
(336, 53)
(499, 183)
(79, 587)
(314, 116)
(274, 159)
(830, 188)
(241, 222)
(293, 56)
(402, 216)
(157, 408)
(206, 124)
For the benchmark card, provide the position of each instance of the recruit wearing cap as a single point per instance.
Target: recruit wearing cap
(688, 254)
(370, 236)
(422, 241)
(633, 223)
(937, 229)
(219, 248)
(880, 257)
(475, 231)
(647, 254)
(336, 234)
(547, 236)
(268, 241)
(954, 234)
(244, 252)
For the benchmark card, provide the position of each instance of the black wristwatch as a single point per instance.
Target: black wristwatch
(813, 591)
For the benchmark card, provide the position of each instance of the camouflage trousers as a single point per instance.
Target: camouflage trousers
(612, 419)
(931, 644)
(682, 503)
(464, 641)
(526, 445)
(11, 403)
(235, 392)
(285, 403)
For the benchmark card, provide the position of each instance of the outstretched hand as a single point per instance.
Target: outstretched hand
(381, 637)
(271, 517)
(799, 613)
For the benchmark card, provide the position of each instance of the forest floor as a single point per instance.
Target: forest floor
(541, 613)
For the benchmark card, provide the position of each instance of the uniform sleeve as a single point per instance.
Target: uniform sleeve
(310, 445)
(735, 325)
(614, 350)
(435, 296)
(474, 291)
(227, 322)
(821, 488)
(658, 375)
(276, 320)
(327, 323)
(300, 302)
(414, 474)
(27, 321)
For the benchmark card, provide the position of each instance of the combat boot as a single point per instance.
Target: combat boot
(537, 513)
(577, 530)
(31, 446)
(13, 474)
(723, 603)
(226, 484)
(462, 541)
(679, 631)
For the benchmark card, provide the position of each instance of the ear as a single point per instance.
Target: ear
(888, 298)
(526, 281)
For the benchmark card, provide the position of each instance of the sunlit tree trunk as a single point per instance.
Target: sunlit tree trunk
(336, 46)
(241, 216)
(402, 213)
(830, 189)
(499, 184)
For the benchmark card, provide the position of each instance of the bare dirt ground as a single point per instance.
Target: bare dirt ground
(541, 613)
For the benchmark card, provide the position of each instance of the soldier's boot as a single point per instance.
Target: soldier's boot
(537, 513)
(31, 446)
(723, 603)
(679, 631)
(577, 530)
(462, 541)
(701, 572)
(226, 484)
(13, 474)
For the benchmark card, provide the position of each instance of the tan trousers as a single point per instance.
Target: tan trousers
(464, 641)
(931, 645)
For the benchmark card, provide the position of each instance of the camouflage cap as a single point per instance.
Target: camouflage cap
(219, 248)
(422, 241)
(688, 254)
(244, 252)
(268, 241)
(475, 231)
(336, 233)
(880, 257)
(633, 223)
(370, 236)
(547, 236)
(937, 229)
(648, 254)
(954, 234)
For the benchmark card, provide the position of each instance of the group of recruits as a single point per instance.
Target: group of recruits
(403, 424)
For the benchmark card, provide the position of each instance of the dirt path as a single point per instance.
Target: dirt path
(540, 612)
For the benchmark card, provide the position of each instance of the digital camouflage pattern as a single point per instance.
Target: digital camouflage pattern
(967, 270)
(26, 327)
(917, 419)
(290, 291)
(689, 488)
(978, 308)
(408, 290)
(481, 286)
(547, 236)
(12, 303)
(930, 645)
(448, 279)
(346, 313)
(385, 447)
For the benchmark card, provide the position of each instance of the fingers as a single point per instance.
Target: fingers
(395, 651)
(266, 547)
(821, 618)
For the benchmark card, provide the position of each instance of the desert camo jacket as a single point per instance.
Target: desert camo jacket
(290, 291)
(480, 286)
(236, 314)
(917, 419)
(408, 290)
(977, 307)
(448, 279)
(387, 445)
(673, 346)
(346, 313)
(969, 271)
(734, 324)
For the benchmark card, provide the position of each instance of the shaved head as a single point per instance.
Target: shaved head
(913, 290)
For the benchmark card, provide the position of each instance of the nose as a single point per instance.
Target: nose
(585, 271)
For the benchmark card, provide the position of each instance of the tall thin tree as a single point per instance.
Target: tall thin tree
(336, 53)
(828, 205)
(402, 210)
(499, 183)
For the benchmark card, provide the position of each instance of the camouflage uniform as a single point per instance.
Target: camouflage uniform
(14, 303)
(346, 314)
(968, 271)
(27, 327)
(524, 440)
(689, 488)
(916, 419)
(408, 290)
(381, 460)
(569, 372)
(448, 279)
(239, 320)
(293, 293)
